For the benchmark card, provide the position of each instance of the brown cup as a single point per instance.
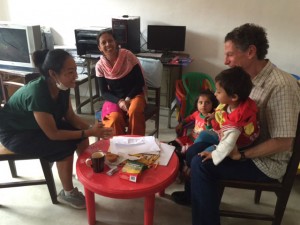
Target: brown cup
(96, 161)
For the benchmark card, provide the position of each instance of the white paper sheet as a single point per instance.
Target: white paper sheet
(129, 140)
(118, 145)
(165, 154)
(125, 146)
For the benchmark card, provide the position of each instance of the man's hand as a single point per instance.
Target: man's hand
(235, 154)
(205, 155)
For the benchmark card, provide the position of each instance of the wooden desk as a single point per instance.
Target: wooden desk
(8, 76)
(151, 181)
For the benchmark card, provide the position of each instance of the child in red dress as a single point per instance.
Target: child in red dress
(206, 103)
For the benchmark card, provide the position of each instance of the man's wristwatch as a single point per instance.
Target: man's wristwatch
(243, 157)
(127, 99)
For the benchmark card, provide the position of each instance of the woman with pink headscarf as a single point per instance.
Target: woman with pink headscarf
(122, 85)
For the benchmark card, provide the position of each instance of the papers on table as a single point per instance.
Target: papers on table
(165, 154)
(129, 141)
(123, 145)
(134, 145)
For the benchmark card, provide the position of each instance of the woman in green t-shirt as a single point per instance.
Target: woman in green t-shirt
(38, 120)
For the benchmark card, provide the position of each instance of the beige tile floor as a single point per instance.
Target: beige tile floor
(32, 205)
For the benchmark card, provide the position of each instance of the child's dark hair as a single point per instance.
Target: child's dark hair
(235, 81)
(211, 97)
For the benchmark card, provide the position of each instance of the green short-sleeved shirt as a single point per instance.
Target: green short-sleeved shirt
(17, 113)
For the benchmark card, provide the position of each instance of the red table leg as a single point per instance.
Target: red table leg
(149, 209)
(161, 193)
(90, 206)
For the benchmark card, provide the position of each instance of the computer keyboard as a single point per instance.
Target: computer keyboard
(166, 58)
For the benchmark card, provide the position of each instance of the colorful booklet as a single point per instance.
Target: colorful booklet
(131, 170)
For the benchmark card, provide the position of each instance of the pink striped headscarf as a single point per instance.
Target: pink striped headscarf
(125, 62)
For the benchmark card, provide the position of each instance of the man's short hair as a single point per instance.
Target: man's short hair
(250, 34)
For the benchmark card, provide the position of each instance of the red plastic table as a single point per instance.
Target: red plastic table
(151, 181)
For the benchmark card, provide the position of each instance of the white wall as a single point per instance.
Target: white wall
(207, 23)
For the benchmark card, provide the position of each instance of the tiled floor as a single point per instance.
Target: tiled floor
(32, 205)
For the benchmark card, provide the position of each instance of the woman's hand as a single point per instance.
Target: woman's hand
(205, 155)
(127, 102)
(106, 132)
(98, 130)
(123, 105)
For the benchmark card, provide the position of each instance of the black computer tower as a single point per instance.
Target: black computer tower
(126, 30)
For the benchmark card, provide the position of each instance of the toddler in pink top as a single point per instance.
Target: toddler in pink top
(205, 104)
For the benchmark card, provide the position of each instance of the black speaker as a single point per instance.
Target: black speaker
(126, 30)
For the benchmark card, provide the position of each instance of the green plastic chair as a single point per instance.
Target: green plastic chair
(193, 83)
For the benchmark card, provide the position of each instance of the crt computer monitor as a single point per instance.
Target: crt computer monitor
(17, 44)
(164, 38)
